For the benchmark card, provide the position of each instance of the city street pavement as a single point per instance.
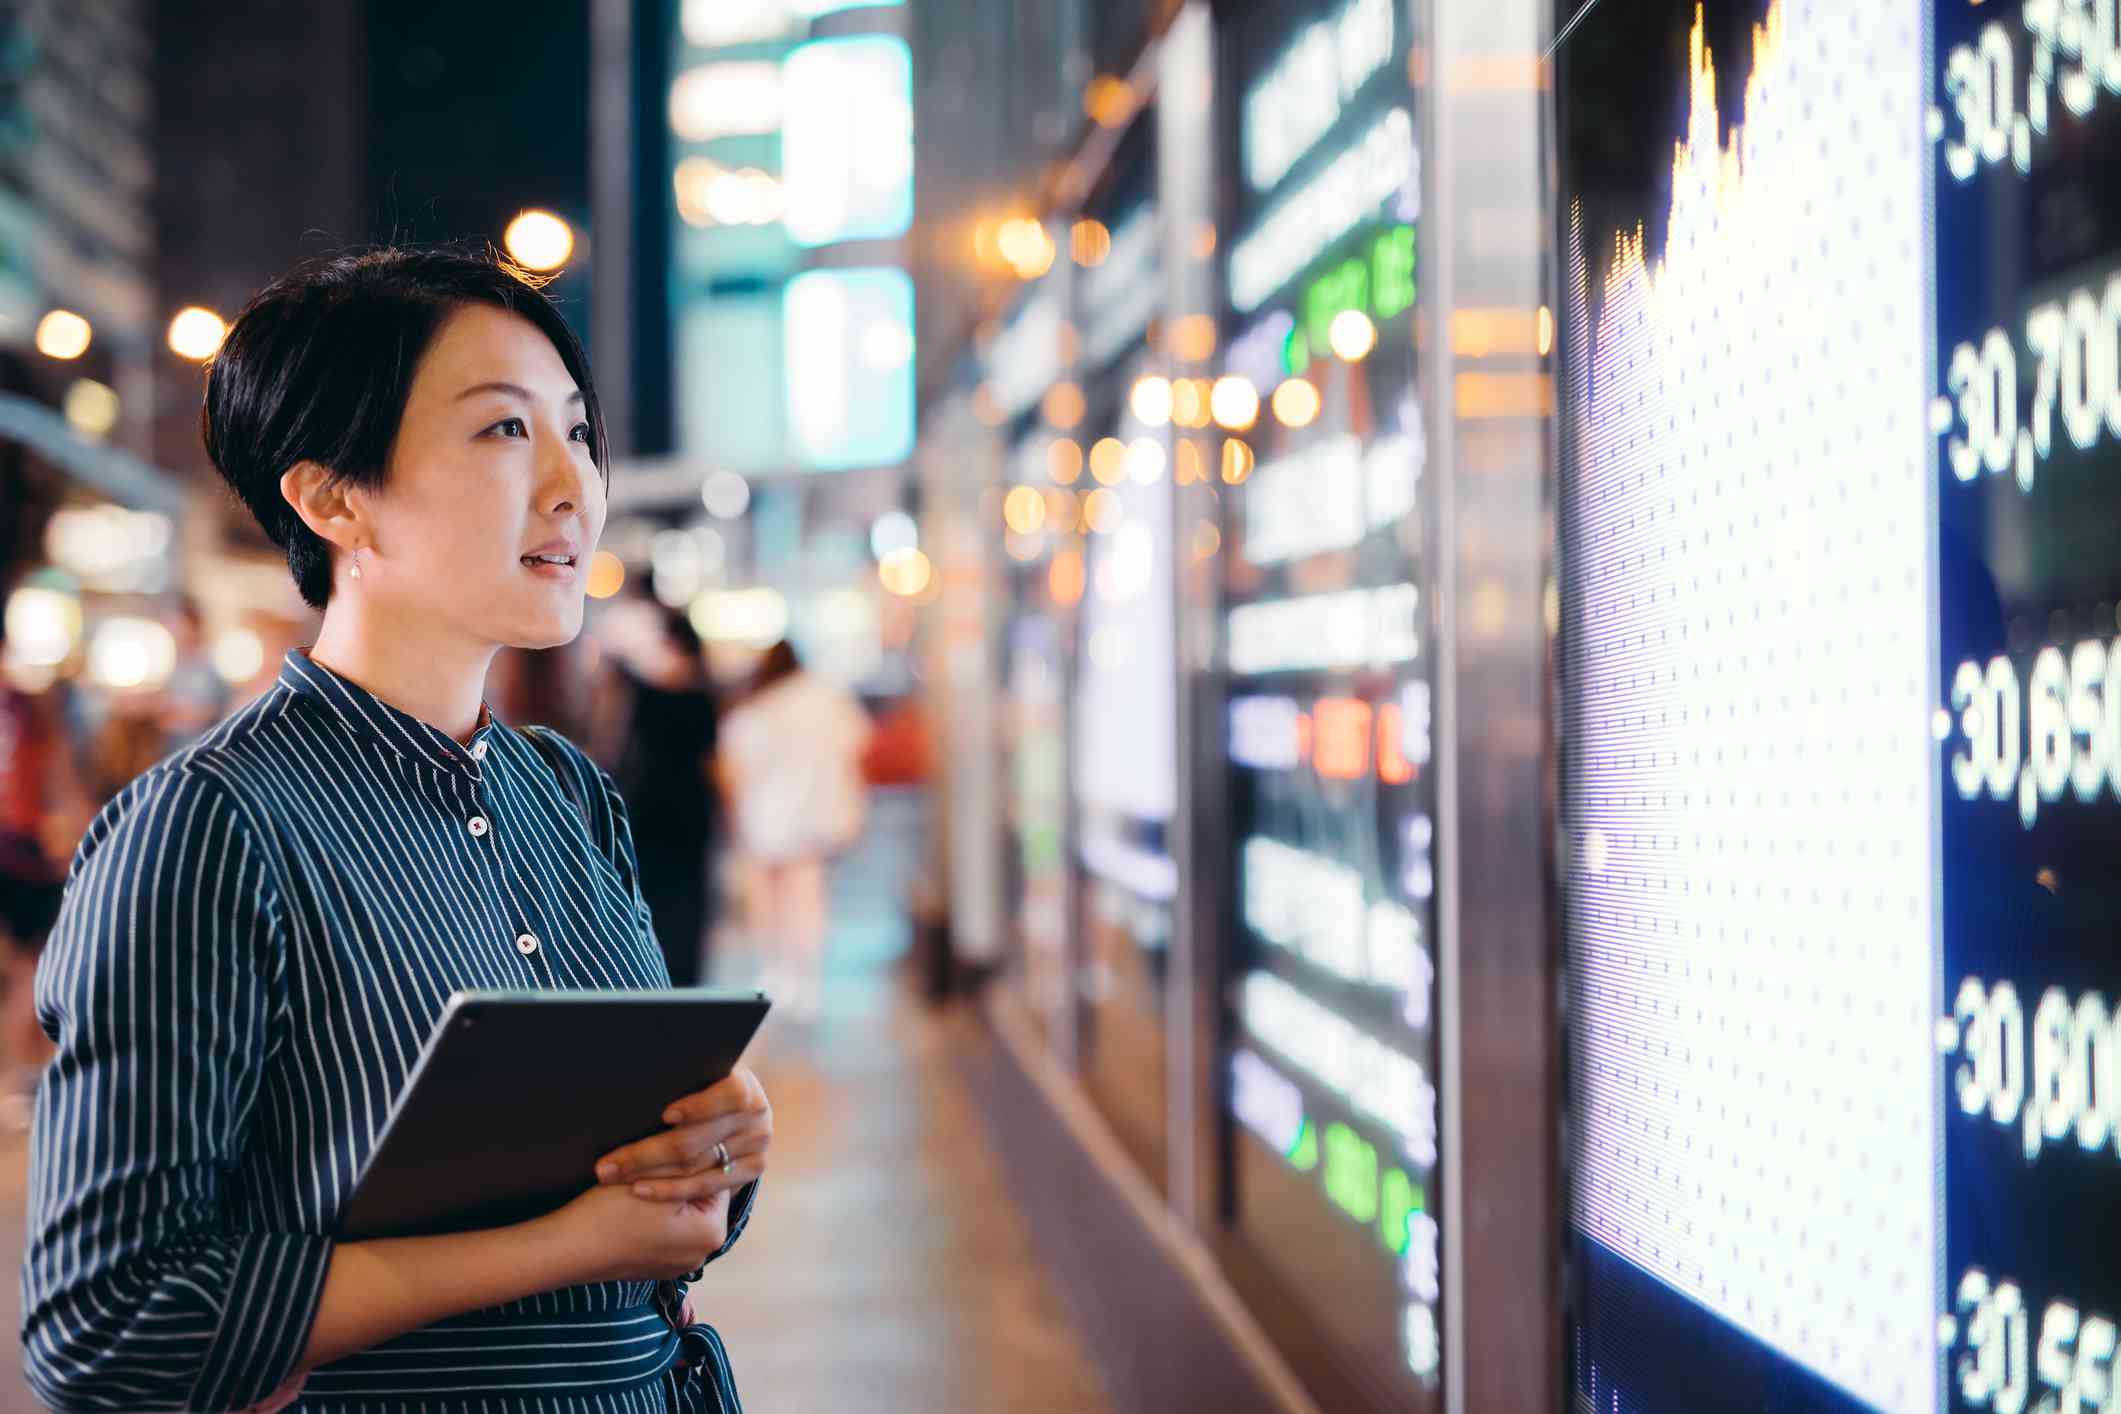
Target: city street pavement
(886, 1267)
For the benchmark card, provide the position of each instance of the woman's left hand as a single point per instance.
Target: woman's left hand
(685, 1163)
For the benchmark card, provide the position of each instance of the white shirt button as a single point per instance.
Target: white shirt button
(477, 826)
(478, 751)
(526, 945)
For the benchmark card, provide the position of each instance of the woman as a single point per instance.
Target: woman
(664, 776)
(791, 761)
(258, 934)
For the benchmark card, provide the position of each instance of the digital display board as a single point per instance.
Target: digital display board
(848, 356)
(1838, 582)
(1325, 658)
(847, 139)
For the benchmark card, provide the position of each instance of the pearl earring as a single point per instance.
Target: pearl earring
(356, 564)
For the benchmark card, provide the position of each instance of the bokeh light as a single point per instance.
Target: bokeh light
(239, 654)
(1062, 406)
(196, 332)
(905, 572)
(1234, 402)
(1064, 461)
(1189, 402)
(1150, 400)
(91, 408)
(1090, 242)
(607, 575)
(539, 240)
(1352, 335)
(892, 531)
(1024, 509)
(63, 334)
(1108, 461)
(1296, 402)
(725, 494)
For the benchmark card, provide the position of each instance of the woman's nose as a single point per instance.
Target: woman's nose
(570, 484)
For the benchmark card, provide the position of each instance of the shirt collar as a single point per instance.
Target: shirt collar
(372, 719)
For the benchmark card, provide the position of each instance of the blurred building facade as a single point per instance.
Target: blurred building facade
(78, 181)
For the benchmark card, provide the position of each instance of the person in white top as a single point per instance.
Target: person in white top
(791, 763)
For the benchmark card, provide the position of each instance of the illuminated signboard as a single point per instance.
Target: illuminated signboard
(1838, 704)
(1382, 167)
(847, 140)
(726, 99)
(1325, 649)
(849, 367)
(1300, 99)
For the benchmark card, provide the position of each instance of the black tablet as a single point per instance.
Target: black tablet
(518, 1094)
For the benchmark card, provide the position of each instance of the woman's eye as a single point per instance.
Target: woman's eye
(510, 427)
(580, 433)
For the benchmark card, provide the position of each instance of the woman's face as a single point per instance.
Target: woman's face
(490, 470)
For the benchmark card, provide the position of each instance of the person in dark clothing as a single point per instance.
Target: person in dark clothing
(665, 775)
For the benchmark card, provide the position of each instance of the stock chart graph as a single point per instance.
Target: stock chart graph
(1840, 332)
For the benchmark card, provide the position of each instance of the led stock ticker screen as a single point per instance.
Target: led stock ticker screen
(1330, 1069)
(1839, 491)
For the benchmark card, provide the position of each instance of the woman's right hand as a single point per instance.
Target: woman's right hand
(611, 1235)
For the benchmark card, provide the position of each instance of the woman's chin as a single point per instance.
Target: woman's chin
(547, 631)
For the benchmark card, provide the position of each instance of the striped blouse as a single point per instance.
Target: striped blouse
(257, 938)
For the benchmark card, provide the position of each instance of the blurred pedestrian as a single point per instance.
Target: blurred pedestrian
(791, 760)
(260, 933)
(129, 739)
(665, 772)
(43, 809)
(196, 695)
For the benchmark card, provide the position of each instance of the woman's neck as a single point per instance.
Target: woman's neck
(419, 669)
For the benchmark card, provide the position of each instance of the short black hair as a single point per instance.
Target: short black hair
(319, 364)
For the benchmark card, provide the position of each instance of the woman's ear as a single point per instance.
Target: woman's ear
(325, 503)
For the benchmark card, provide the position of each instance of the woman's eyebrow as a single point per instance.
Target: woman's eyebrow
(513, 390)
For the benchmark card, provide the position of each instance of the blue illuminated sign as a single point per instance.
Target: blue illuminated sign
(849, 348)
(847, 140)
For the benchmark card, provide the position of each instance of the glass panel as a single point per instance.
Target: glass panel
(1124, 759)
(1318, 451)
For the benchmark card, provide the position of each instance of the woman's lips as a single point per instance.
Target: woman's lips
(545, 569)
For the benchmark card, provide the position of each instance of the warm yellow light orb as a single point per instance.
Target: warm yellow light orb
(1296, 402)
(607, 575)
(1352, 335)
(63, 334)
(539, 240)
(1024, 509)
(1151, 400)
(196, 333)
(1234, 402)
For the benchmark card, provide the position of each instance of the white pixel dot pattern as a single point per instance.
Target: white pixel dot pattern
(1747, 528)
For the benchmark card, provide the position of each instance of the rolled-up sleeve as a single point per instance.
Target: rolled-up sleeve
(144, 1287)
